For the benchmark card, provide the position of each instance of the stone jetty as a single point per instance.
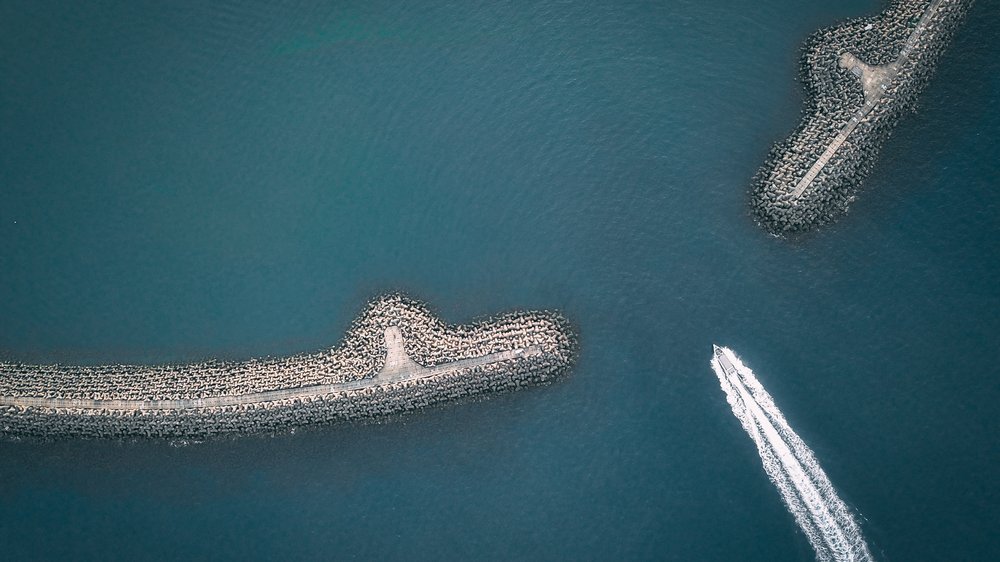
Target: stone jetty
(396, 357)
(860, 77)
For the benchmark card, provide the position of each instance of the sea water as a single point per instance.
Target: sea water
(235, 179)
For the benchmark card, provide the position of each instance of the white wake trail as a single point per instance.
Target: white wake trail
(790, 464)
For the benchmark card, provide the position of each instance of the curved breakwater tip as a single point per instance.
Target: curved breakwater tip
(790, 464)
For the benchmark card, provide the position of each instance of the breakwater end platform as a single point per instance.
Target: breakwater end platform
(860, 77)
(396, 357)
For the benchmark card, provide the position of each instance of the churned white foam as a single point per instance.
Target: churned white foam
(790, 464)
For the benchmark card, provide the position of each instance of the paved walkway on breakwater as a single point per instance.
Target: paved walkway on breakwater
(398, 368)
(874, 80)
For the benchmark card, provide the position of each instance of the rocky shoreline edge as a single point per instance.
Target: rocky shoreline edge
(834, 96)
(396, 357)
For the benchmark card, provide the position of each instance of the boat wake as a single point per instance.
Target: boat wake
(790, 464)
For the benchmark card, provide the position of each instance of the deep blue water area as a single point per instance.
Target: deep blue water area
(183, 181)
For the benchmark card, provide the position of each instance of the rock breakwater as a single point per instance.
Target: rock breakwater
(860, 77)
(396, 357)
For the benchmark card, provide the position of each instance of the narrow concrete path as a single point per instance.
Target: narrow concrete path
(399, 367)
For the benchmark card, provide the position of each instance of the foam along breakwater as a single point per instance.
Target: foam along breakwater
(396, 357)
(860, 78)
(790, 464)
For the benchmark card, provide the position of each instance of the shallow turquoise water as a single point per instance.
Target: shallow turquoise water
(236, 180)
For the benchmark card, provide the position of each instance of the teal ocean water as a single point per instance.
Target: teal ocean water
(235, 179)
